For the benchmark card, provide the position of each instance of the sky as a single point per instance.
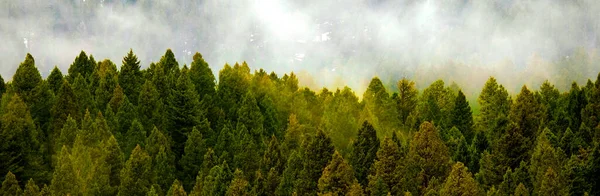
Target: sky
(329, 43)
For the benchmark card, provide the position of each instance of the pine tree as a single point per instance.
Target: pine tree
(290, 174)
(130, 76)
(81, 89)
(494, 105)
(521, 190)
(21, 152)
(406, 100)
(126, 114)
(202, 77)
(10, 185)
(379, 108)
(113, 157)
(55, 79)
(462, 117)
(136, 175)
(168, 62)
(364, 151)
(317, 154)
(191, 161)
(543, 157)
(150, 106)
(136, 135)
(436, 104)
(116, 101)
(337, 177)
(2, 86)
(239, 185)
(176, 189)
(429, 154)
(26, 78)
(64, 180)
(184, 112)
(163, 159)
(551, 184)
(525, 113)
(385, 168)
(31, 189)
(273, 157)
(82, 65)
(65, 106)
(215, 183)
(249, 115)
(460, 182)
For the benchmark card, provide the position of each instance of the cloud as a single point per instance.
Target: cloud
(353, 39)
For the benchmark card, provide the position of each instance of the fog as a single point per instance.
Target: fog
(328, 43)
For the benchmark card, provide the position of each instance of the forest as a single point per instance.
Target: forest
(173, 129)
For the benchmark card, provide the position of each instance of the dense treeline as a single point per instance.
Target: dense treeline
(172, 130)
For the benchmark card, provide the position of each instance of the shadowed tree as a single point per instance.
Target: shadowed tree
(364, 151)
(461, 116)
(406, 99)
(337, 177)
(10, 185)
(55, 79)
(136, 176)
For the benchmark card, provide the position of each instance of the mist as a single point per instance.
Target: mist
(327, 43)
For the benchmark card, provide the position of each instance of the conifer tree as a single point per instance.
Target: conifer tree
(461, 116)
(136, 175)
(239, 185)
(379, 108)
(202, 77)
(10, 185)
(81, 89)
(317, 154)
(176, 189)
(337, 177)
(273, 157)
(26, 78)
(406, 99)
(55, 80)
(136, 135)
(150, 107)
(31, 189)
(65, 106)
(364, 151)
(64, 180)
(460, 182)
(385, 168)
(130, 76)
(428, 154)
(290, 174)
(191, 161)
(184, 112)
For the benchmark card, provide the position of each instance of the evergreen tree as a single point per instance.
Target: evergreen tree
(136, 135)
(385, 168)
(83, 94)
(184, 112)
(65, 106)
(364, 151)
(543, 157)
(10, 185)
(64, 180)
(2, 86)
(461, 116)
(21, 152)
(239, 185)
(150, 106)
(379, 108)
(31, 189)
(168, 62)
(113, 157)
(136, 175)
(428, 154)
(290, 174)
(249, 115)
(176, 189)
(317, 154)
(130, 76)
(217, 180)
(460, 182)
(406, 99)
(524, 113)
(337, 177)
(55, 80)
(436, 104)
(551, 184)
(26, 78)
(202, 77)
(494, 105)
(125, 116)
(273, 158)
(82, 65)
(521, 190)
(191, 161)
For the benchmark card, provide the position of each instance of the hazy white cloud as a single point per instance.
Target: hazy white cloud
(352, 39)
